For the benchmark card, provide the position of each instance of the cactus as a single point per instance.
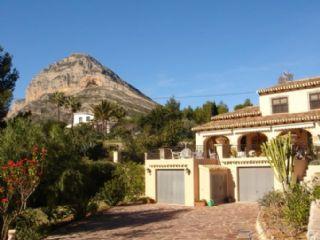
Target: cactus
(280, 155)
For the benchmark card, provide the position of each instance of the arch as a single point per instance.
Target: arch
(210, 150)
(301, 138)
(302, 149)
(250, 143)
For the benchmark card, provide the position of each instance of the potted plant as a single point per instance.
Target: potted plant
(210, 203)
(200, 203)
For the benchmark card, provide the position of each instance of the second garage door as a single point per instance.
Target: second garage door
(254, 182)
(170, 186)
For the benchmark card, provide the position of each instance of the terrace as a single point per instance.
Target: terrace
(246, 151)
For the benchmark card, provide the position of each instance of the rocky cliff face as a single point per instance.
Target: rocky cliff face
(82, 76)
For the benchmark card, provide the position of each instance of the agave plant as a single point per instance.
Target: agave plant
(280, 155)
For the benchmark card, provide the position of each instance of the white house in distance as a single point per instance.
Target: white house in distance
(228, 162)
(82, 117)
(87, 117)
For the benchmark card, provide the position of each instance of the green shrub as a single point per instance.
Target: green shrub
(296, 210)
(99, 172)
(92, 207)
(87, 141)
(127, 184)
(18, 138)
(132, 176)
(58, 213)
(74, 186)
(316, 192)
(112, 192)
(273, 198)
(30, 225)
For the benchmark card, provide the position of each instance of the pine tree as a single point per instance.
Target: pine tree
(8, 78)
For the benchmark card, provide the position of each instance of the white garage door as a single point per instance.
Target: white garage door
(170, 186)
(254, 183)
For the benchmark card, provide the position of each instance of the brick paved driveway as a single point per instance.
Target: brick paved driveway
(155, 221)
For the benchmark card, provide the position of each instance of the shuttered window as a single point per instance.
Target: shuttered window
(280, 105)
(314, 100)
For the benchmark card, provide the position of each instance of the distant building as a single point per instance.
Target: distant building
(85, 117)
(82, 117)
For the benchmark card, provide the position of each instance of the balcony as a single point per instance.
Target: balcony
(180, 154)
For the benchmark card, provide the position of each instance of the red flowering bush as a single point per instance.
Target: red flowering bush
(18, 180)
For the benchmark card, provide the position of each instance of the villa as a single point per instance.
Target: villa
(87, 117)
(228, 164)
(82, 117)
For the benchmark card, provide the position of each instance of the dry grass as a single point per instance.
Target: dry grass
(276, 227)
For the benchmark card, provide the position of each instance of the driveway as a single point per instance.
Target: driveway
(155, 221)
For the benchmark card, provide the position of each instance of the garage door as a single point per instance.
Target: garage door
(170, 186)
(254, 183)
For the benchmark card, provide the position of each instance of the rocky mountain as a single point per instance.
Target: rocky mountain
(82, 76)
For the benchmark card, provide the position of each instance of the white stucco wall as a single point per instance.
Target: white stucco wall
(78, 116)
(298, 101)
(151, 167)
(270, 131)
(204, 183)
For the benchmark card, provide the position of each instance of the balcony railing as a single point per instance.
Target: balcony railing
(174, 153)
(226, 151)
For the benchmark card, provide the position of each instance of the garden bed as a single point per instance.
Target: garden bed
(274, 226)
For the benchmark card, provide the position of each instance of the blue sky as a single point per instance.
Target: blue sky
(169, 47)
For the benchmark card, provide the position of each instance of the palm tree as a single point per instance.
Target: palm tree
(105, 112)
(74, 105)
(59, 99)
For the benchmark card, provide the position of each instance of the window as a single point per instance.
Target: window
(314, 100)
(80, 119)
(280, 105)
(87, 118)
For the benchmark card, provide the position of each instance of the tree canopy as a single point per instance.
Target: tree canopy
(8, 78)
(246, 103)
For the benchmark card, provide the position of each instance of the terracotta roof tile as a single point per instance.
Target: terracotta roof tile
(244, 112)
(292, 85)
(275, 119)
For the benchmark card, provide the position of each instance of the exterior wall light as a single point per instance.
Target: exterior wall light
(188, 171)
(149, 171)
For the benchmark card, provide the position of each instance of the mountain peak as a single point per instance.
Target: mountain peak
(82, 75)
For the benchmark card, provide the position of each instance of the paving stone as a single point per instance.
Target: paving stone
(156, 221)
